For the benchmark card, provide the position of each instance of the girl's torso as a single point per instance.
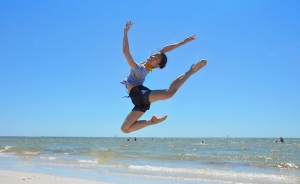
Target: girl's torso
(129, 87)
(136, 77)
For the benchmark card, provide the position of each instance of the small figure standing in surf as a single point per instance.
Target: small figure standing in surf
(141, 96)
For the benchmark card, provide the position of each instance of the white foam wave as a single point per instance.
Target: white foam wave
(6, 148)
(178, 178)
(31, 153)
(49, 158)
(291, 165)
(87, 161)
(210, 172)
(192, 155)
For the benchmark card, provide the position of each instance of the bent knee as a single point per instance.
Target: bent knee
(125, 130)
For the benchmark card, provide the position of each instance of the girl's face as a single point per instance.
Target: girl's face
(154, 60)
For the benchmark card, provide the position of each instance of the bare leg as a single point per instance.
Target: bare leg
(131, 122)
(176, 84)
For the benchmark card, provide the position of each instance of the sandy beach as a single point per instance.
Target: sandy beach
(14, 177)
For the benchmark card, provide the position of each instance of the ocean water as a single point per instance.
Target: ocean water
(156, 160)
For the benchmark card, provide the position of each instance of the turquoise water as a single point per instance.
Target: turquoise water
(156, 160)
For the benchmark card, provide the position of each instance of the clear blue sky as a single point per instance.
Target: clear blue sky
(61, 63)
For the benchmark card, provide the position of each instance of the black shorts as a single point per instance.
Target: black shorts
(140, 98)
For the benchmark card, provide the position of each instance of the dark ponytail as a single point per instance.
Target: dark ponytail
(163, 61)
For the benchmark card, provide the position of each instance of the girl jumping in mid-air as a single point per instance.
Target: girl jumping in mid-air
(141, 96)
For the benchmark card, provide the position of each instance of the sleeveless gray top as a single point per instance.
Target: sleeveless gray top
(136, 76)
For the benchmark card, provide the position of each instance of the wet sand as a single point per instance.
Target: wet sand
(14, 177)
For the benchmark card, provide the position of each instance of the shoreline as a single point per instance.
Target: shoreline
(148, 161)
(17, 177)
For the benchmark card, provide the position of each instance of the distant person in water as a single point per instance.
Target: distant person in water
(141, 96)
(281, 140)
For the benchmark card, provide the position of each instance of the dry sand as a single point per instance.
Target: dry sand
(15, 177)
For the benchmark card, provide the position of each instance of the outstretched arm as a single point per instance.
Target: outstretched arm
(170, 47)
(126, 50)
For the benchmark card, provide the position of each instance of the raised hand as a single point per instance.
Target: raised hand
(127, 26)
(171, 47)
(188, 39)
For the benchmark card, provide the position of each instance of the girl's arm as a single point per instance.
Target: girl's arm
(126, 50)
(170, 47)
